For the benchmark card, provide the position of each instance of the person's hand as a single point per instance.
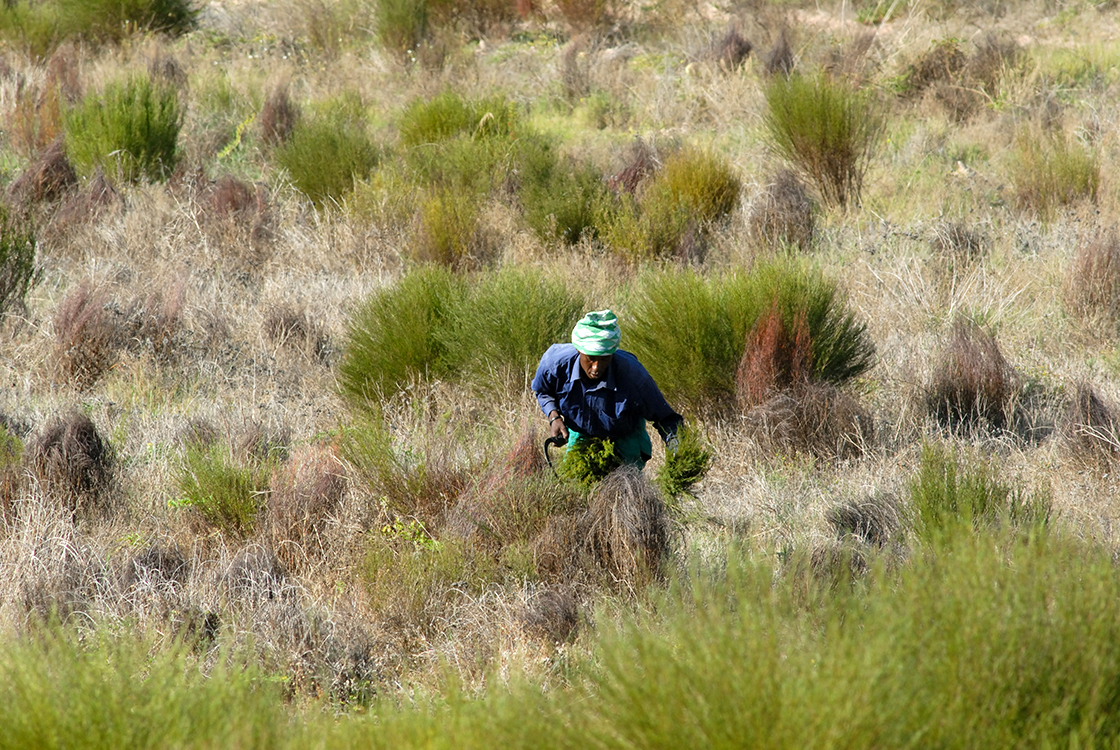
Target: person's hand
(556, 426)
(672, 443)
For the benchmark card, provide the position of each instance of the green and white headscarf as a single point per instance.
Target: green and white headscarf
(597, 334)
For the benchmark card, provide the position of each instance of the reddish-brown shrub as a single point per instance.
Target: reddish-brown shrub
(230, 196)
(779, 60)
(74, 465)
(1090, 426)
(305, 492)
(776, 358)
(87, 336)
(1093, 281)
(817, 419)
(641, 164)
(731, 50)
(47, 178)
(278, 117)
(971, 380)
(86, 205)
(784, 214)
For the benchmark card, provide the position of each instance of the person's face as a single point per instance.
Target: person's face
(595, 368)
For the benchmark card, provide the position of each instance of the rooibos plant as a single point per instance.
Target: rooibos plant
(227, 494)
(325, 155)
(826, 129)
(130, 129)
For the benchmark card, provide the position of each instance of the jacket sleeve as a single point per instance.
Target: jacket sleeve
(544, 385)
(664, 418)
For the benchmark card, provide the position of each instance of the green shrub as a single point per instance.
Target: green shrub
(17, 259)
(131, 129)
(39, 27)
(227, 495)
(327, 153)
(948, 494)
(400, 25)
(564, 201)
(1052, 172)
(686, 465)
(826, 129)
(692, 191)
(589, 461)
(428, 121)
(395, 336)
(495, 333)
(449, 228)
(690, 331)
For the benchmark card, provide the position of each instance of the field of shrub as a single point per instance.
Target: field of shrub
(275, 277)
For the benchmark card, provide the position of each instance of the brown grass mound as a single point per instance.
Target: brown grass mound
(305, 493)
(731, 50)
(784, 214)
(779, 60)
(558, 550)
(84, 207)
(229, 196)
(159, 566)
(74, 465)
(48, 178)
(553, 613)
(628, 528)
(873, 521)
(776, 358)
(1090, 427)
(943, 62)
(289, 327)
(260, 443)
(61, 578)
(255, 575)
(641, 164)
(278, 117)
(11, 477)
(971, 380)
(957, 244)
(818, 419)
(996, 55)
(1093, 281)
(87, 336)
(197, 433)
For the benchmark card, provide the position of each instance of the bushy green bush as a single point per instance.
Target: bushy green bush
(496, 332)
(130, 129)
(1051, 172)
(685, 464)
(449, 229)
(39, 27)
(693, 190)
(226, 493)
(690, 331)
(396, 335)
(428, 121)
(400, 25)
(326, 153)
(564, 200)
(950, 494)
(589, 461)
(17, 259)
(826, 129)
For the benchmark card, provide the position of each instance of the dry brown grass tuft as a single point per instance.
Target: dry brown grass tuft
(779, 60)
(817, 419)
(731, 50)
(553, 613)
(1090, 427)
(971, 381)
(48, 178)
(74, 466)
(260, 443)
(87, 336)
(60, 577)
(306, 492)
(86, 206)
(944, 62)
(873, 521)
(156, 325)
(559, 555)
(289, 327)
(11, 477)
(256, 575)
(783, 216)
(628, 529)
(197, 434)
(158, 566)
(278, 117)
(775, 359)
(958, 245)
(641, 164)
(1093, 280)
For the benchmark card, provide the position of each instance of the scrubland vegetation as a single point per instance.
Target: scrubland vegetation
(274, 278)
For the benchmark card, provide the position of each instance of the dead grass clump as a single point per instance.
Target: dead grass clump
(74, 465)
(995, 56)
(258, 443)
(1093, 281)
(731, 50)
(817, 419)
(159, 566)
(278, 117)
(628, 528)
(286, 326)
(553, 613)
(305, 493)
(255, 575)
(586, 14)
(641, 163)
(61, 577)
(776, 358)
(85, 206)
(11, 476)
(1090, 426)
(872, 521)
(87, 336)
(198, 434)
(944, 62)
(230, 197)
(48, 178)
(155, 324)
(971, 381)
(959, 245)
(779, 60)
(784, 216)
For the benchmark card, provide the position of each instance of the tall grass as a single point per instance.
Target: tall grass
(827, 130)
(130, 129)
(226, 493)
(690, 331)
(1048, 173)
(326, 154)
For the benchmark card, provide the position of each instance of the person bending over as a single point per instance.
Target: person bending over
(592, 389)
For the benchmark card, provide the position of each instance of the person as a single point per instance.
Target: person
(592, 389)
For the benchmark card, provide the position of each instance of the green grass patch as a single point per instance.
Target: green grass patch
(18, 271)
(826, 129)
(428, 121)
(130, 129)
(1049, 172)
(327, 153)
(226, 493)
(39, 27)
